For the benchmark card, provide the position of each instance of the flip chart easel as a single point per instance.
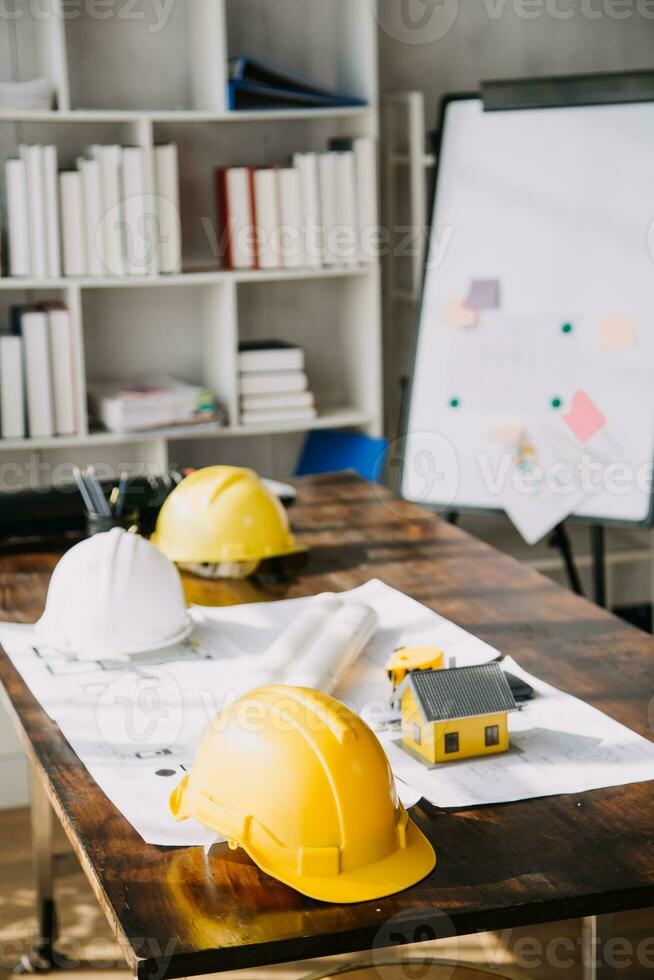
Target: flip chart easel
(540, 224)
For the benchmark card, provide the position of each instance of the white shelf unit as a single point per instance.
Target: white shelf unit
(122, 77)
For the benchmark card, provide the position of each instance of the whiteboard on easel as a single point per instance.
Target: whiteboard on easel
(534, 354)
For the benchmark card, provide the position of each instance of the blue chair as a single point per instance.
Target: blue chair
(327, 451)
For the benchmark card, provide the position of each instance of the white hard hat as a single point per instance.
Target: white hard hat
(113, 595)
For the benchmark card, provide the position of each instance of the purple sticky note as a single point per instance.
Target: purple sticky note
(484, 294)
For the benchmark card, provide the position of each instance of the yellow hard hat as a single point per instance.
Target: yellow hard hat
(304, 787)
(222, 515)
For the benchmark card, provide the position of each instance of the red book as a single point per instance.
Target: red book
(237, 234)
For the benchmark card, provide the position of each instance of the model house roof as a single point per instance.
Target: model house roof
(461, 692)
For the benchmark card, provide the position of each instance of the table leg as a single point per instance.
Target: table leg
(597, 930)
(42, 957)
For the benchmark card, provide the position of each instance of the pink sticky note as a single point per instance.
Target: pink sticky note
(457, 314)
(617, 332)
(584, 418)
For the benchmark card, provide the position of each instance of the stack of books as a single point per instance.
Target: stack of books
(38, 377)
(156, 404)
(33, 96)
(319, 211)
(273, 382)
(94, 220)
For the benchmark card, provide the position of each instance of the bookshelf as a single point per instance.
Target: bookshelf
(121, 76)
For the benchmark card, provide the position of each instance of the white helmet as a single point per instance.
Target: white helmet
(112, 595)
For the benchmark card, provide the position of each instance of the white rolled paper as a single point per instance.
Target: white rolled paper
(335, 650)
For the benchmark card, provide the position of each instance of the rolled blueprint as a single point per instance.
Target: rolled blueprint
(338, 646)
(293, 642)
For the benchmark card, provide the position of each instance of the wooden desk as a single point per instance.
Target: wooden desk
(499, 866)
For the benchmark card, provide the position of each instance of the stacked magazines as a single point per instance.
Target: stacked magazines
(274, 384)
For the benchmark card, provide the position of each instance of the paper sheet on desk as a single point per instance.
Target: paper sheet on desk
(559, 744)
(136, 728)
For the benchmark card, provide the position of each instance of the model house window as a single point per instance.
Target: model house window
(452, 742)
(417, 734)
(492, 734)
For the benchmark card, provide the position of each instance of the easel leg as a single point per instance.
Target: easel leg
(561, 540)
(597, 930)
(42, 957)
(599, 570)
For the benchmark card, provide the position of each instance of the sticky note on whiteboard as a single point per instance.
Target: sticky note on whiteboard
(507, 433)
(484, 294)
(458, 314)
(617, 332)
(584, 418)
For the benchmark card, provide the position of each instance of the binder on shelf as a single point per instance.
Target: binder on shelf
(365, 165)
(73, 225)
(62, 358)
(291, 219)
(92, 195)
(347, 219)
(33, 157)
(110, 158)
(328, 206)
(38, 373)
(12, 393)
(51, 212)
(307, 167)
(136, 224)
(266, 217)
(236, 222)
(18, 220)
(166, 165)
(258, 84)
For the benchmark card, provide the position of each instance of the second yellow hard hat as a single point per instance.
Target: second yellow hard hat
(304, 787)
(222, 515)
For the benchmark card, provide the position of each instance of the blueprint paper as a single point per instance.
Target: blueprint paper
(136, 727)
(559, 744)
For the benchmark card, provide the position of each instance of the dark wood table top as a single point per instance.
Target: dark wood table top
(498, 866)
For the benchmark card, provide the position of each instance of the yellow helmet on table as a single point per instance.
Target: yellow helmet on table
(223, 516)
(303, 785)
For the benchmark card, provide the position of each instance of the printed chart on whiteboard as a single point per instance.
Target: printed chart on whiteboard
(531, 383)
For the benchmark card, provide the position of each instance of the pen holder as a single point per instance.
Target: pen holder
(97, 523)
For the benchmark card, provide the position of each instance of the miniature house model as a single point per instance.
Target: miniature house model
(456, 713)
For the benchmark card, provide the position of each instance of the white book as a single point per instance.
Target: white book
(60, 330)
(51, 200)
(136, 223)
(18, 218)
(38, 374)
(366, 177)
(237, 218)
(271, 382)
(278, 415)
(12, 393)
(271, 356)
(166, 166)
(288, 399)
(347, 250)
(110, 159)
(33, 157)
(291, 217)
(73, 223)
(307, 167)
(328, 206)
(266, 217)
(92, 194)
